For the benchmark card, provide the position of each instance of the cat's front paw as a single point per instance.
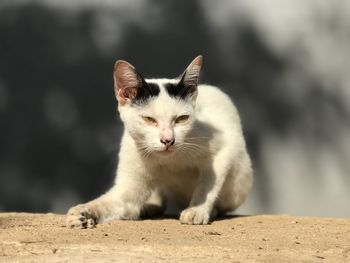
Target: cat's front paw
(194, 216)
(80, 216)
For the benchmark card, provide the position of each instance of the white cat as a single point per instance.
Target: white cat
(182, 148)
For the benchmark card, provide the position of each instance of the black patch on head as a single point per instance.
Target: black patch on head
(145, 91)
(179, 90)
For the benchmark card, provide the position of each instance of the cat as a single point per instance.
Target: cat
(182, 148)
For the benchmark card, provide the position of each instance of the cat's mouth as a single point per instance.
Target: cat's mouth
(167, 150)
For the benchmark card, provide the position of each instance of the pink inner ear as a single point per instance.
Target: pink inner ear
(192, 73)
(197, 61)
(125, 81)
(127, 93)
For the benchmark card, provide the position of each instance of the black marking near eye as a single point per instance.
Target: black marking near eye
(179, 90)
(145, 92)
(182, 89)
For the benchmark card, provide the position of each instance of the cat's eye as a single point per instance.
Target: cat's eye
(182, 119)
(149, 120)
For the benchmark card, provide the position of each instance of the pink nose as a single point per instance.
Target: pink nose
(167, 141)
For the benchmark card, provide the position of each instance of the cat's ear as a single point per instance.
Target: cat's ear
(191, 75)
(126, 82)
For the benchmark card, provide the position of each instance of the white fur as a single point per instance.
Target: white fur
(208, 170)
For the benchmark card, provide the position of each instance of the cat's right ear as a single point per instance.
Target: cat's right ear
(126, 82)
(189, 78)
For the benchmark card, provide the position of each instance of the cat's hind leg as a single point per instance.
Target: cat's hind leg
(236, 187)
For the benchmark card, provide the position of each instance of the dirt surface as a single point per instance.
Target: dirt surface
(44, 238)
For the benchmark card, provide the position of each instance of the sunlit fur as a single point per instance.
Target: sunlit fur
(205, 172)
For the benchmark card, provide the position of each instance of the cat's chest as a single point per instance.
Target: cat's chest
(172, 173)
(176, 184)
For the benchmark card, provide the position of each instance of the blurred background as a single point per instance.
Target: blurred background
(285, 64)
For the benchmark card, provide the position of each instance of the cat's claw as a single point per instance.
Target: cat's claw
(194, 216)
(80, 217)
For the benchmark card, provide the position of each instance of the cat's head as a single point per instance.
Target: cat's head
(157, 113)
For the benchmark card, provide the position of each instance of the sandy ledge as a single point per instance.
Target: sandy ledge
(44, 238)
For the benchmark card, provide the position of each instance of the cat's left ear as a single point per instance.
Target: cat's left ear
(191, 75)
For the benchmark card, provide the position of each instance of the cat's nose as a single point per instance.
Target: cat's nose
(167, 141)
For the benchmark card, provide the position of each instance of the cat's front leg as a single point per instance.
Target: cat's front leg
(81, 216)
(123, 202)
(212, 176)
(200, 210)
(89, 214)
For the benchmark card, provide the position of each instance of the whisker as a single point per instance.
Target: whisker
(194, 149)
(198, 137)
(144, 150)
(196, 146)
(186, 153)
